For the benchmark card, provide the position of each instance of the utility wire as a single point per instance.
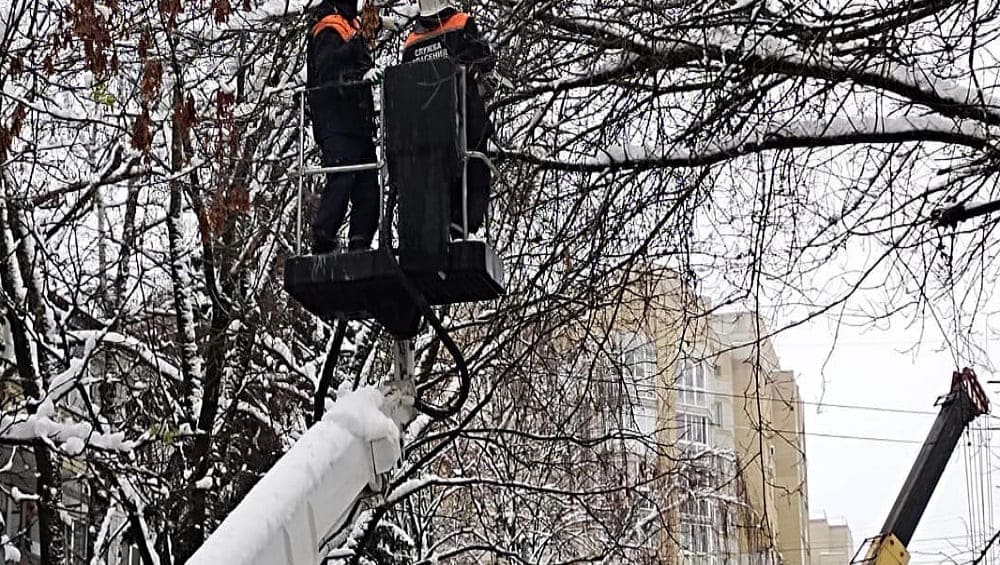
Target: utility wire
(854, 437)
(807, 402)
(985, 551)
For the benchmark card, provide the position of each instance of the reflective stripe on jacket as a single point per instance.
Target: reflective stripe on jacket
(338, 23)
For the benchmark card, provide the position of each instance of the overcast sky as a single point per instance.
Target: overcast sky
(858, 479)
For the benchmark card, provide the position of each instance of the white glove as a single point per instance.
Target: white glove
(373, 75)
(488, 84)
(389, 23)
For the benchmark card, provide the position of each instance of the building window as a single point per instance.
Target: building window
(718, 415)
(693, 428)
(639, 418)
(696, 538)
(698, 510)
(636, 400)
(699, 535)
(692, 384)
(8, 529)
(638, 360)
(128, 554)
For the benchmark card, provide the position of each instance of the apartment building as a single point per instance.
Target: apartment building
(735, 419)
(683, 381)
(831, 542)
(770, 431)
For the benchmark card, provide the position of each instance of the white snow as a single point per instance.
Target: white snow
(128, 491)
(10, 462)
(359, 412)
(73, 446)
(133, 346)
(277, 9)
(20, 496)
(308, 489)
(10, 553)
(412, 485)
(65, 381)
(830, 130)
(41, 425)
(114, 441)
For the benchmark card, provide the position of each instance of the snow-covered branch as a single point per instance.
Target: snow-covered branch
(836, 132)
(71, 437)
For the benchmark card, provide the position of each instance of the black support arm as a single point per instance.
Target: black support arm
(959, 407)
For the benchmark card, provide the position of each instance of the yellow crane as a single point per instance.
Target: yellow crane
(964, 403)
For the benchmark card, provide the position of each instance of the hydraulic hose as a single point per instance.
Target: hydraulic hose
(418, 298)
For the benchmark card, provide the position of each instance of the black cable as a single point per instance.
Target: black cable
(326, 377)
(385, 236)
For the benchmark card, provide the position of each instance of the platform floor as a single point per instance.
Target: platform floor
(364, 284)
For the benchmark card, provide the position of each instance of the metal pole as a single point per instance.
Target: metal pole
(339, 169)
(401, 392)
(383, 174)
(489, 164)
(404, 360)
(464, 142)
(302, 142)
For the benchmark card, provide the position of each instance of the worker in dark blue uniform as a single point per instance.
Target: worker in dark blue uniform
(343, 115)
(442, 31)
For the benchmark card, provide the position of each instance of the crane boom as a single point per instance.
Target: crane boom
(286, 518)
(964, 402)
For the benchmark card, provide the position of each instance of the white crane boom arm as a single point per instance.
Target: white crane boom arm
(311, 489)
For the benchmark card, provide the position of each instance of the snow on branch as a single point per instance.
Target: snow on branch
(11, 554)
(132, 345)
(767, 54)
(796, 135)
(71, 437)
(272, 9)
(59, 113)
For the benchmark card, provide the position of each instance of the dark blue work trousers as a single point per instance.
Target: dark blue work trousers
(360, 189)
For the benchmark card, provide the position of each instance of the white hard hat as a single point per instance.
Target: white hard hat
(431, 7)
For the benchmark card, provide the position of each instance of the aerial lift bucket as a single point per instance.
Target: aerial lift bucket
(424, 148)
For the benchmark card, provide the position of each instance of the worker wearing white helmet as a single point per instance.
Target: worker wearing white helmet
(443, 31)
(432, 7)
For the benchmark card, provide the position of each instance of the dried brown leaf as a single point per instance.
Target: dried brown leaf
(152, 78)
(142, 135)
(170, 9)
(222, 9)
(145, 44)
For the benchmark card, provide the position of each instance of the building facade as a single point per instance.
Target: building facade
(734, 418)
(831, 542)
(18, 499)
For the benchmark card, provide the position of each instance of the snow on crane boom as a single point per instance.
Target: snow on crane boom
(287, 516)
